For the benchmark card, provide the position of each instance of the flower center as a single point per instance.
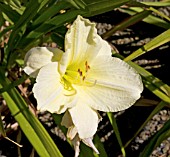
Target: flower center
(78, 75)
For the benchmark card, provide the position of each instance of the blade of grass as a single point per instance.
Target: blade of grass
(49, 12)
(14, 84)
(93, 8)
(30, 11)
(155, 90)
(126, 23)
(156, 42)
(102, 6)
(151, 19)
(79, 4)
(156, 110)
(159, 13)
(157, 4)
(112, 120)
(9, 12)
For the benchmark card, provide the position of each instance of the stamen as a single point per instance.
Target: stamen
(69, 92)
(68, 89)
(91, 85)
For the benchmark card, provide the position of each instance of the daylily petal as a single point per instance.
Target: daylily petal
(76, 144)
(105, 49)
(117, 86)
(38, 57)
(81, 43)
(85, 119)
(72, 134)
(49, 92)
(89, 142)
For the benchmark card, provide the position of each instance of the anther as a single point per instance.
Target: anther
(87, 66)
(84, 78)
(80, 72)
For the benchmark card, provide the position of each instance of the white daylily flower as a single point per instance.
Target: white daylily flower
(84, 79)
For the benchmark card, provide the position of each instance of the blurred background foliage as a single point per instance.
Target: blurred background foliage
(28, 23)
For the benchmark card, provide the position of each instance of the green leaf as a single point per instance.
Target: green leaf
(159, 13)
(102, 6)
(9, 12)
(126, 23)
(157, 139)
(1, 19)
(157, 4)
(151, 19)
(156, 110)
(13, 84)
(94, 8)
(29, 124)
(79, 4)
(156, 42)
(49, 12)
(112, 120)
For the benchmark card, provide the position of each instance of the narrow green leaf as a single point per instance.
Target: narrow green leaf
(156, 110)
(13, 84)
(79, 4)
(93, 9)
(99, 145)
(159, 13)
(116, 130)
(20, 26)
(156, 42)
(157, 4)
(9, 12)
(157, 139)
(151, 19)
(29, 124)
(155, 90)
(2, 130)
(1, 19)
(126, 23)
(28, 41)
(50, 12)
(102, 6)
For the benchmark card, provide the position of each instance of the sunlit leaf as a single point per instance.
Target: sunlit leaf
(151, 19)
(116, 130)
(154, 43)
